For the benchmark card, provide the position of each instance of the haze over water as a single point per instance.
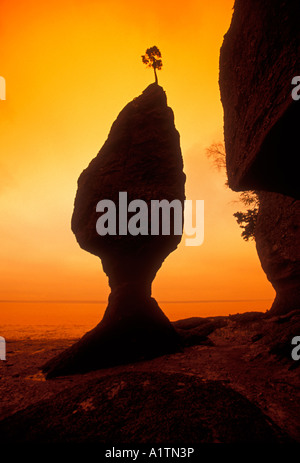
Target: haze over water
(52, 320)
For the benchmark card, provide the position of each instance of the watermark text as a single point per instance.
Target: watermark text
(2, 348)
(296, 350)
(2, 88)
(164, 218)
(296, 89)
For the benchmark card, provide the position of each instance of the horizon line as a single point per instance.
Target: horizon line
(50, 301)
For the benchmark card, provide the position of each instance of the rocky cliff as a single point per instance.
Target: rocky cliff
(277, 243)
(259, 57)
(258, 60)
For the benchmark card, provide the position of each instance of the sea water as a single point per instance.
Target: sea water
(60, 319)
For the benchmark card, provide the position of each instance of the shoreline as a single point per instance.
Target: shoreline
(237, 354)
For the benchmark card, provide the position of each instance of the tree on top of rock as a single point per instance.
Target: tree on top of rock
(152, 59)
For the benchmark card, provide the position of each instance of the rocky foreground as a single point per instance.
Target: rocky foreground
(235, 381)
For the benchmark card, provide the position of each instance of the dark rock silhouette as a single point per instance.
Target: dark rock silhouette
(148, 401)
(259, 57)
(143, 407)
(142, 157)
(277, 243)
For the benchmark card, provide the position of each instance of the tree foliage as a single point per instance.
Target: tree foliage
(152, 59)
(216, 152)
(245, 219)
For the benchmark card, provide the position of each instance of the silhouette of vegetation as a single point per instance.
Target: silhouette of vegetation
(245, 219)
(152, 59)
(216, 152)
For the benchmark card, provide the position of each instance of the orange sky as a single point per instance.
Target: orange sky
(70, 67)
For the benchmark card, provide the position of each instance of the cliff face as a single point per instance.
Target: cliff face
(277, 243)
(141, 158)
(259, 57)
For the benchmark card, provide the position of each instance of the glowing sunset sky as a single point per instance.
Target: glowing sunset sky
(70, 67)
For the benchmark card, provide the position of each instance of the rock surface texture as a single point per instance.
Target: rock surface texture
(141, 157)
(241, 386)
(144, 408)
(277, 244)
(259, 58)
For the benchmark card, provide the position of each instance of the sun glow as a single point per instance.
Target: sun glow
(70, 67)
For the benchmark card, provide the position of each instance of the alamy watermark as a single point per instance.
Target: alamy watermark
(2, 348)
(296, 90)
(2, 88)
(164, 218)
(296, 350)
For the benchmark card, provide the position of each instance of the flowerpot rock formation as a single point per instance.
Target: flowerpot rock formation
(141, 157)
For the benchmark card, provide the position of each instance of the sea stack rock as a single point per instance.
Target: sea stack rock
(142, 159)
(259, 58)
